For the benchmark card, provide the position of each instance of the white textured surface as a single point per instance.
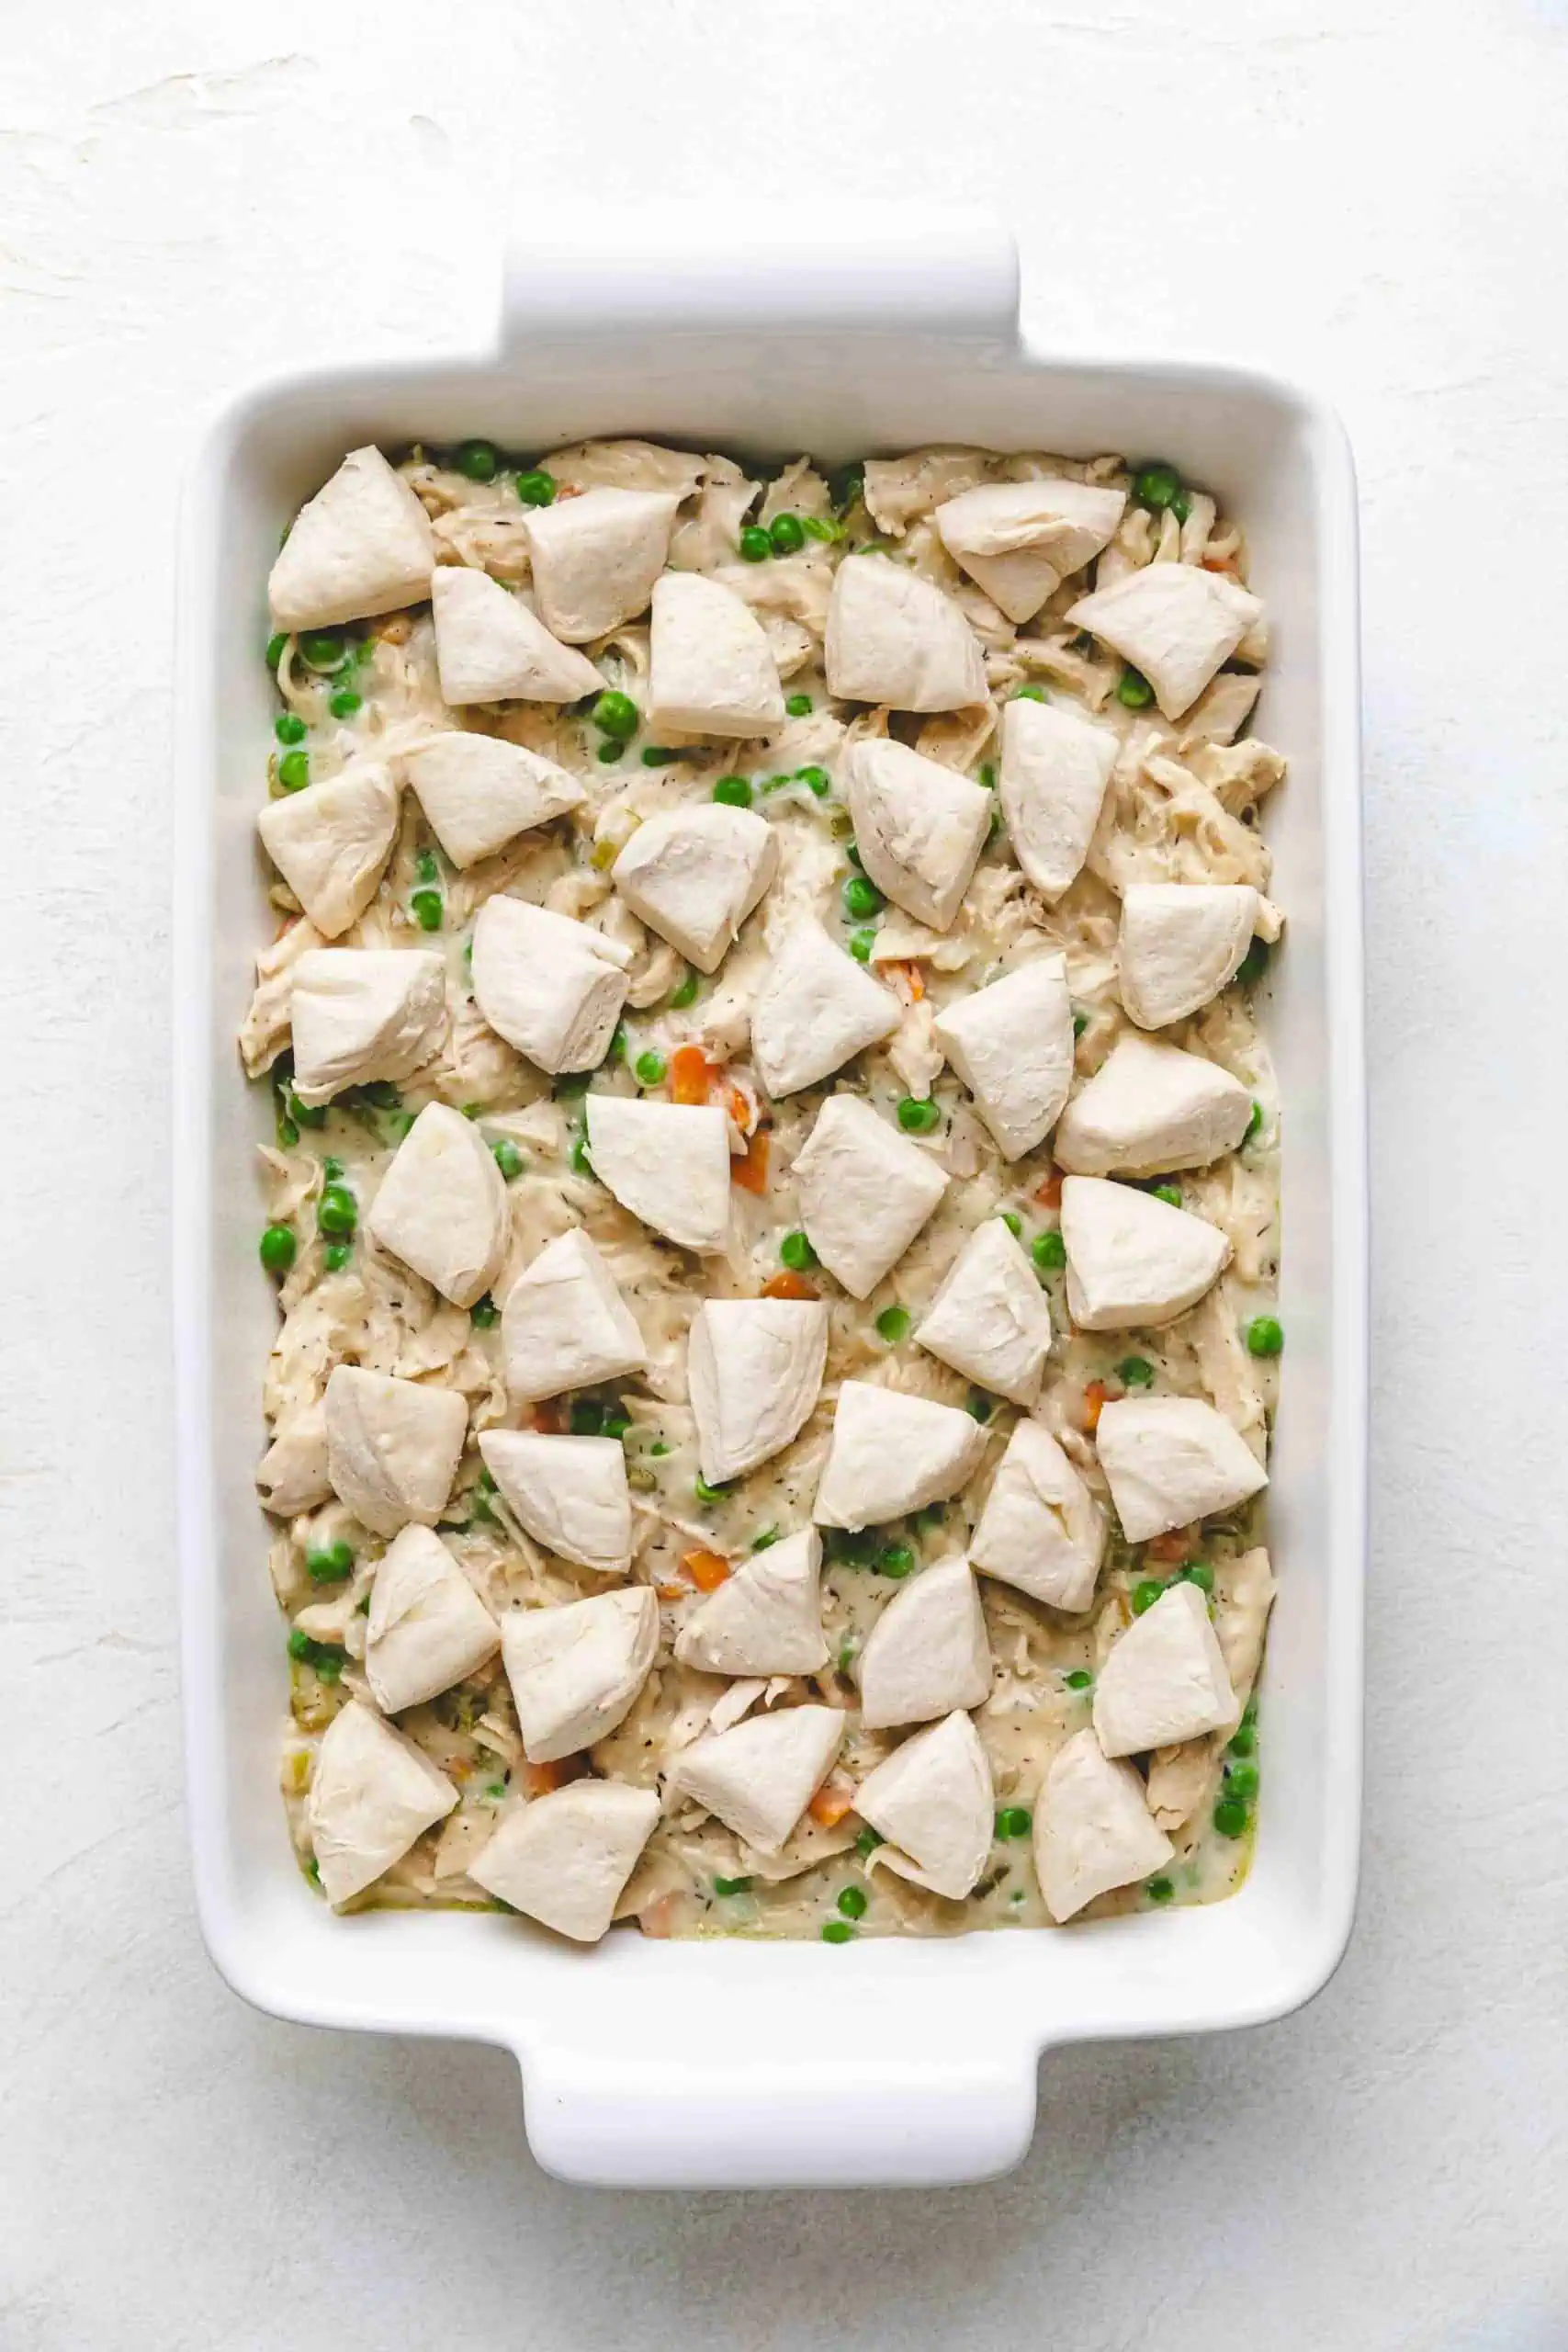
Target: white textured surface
(1375, 201)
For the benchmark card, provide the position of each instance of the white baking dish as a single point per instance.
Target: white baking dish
(728, 2064)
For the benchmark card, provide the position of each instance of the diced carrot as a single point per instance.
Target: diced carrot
(740, 1110)
(707, 1570)
(549, 1419)
(1219, 563)
(1049, 1192)
(908, 979)
(397, 630)
(539, 1780)
(831, 1803)
(1172, 1546)
(671, 1591)
(1093, 1400)
(690, 1074)
(658, 1918)
(750, 1168)
(788, 1285)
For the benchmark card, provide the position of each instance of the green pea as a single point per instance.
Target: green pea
(896, 1562)
(1135, 1372)
(587, 1416)
(324, 1657)
(331, 1565)
(893, 1325)
(294, 771)
(859, 944)
(1080, 1023)
(818, 526)
(476, 460)
(345, 703)
(756, 547)
(731, 1885)
(337, 1210)
(684, 994)
(659, 755)
(427, 908)
(838, 1931)
(1145, 1594)
(616, 1425)
(787, 534)
(797, 705)
(796, 1253)
(336, 1255)
(868, 1841)
(1029, 694)
(279, 1248)
(765, 1542)
(1181, 505)
(616, 1051)
(1013, 1820)
(571, 1084)
(324, 649)
(1170, 1193)
(426, 868)
(537, 488)
(707, 1495)
(1200, 1573)
(1230, 1817)
(484, 1314)
(1265, 1337)
(1133, 691)
(649, 1070)
(1079, 1679)
(734, 791)
(979, 1406)
(1241, 1781)
(1253, 965)
(861, 898)
(1254, 1124)
(609, 751)
(1156, 484)
(507, 1157)
(289, 726)
(615, 715)
(917, 1117)
(988, 775)
(1243, 1740)
(851, 1902)
(1013, 1223)
(275, 646)
(1160, 1890)
(1049, 1252)
(817, 781)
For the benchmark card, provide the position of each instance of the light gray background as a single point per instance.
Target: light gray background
(192, 193)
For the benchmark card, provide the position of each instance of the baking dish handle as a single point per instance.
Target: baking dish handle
(861, 267)
(846, 2114)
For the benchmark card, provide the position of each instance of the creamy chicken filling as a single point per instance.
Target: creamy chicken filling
(1181, 806)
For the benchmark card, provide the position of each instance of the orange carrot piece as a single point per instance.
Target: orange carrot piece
(671, 1591)
(749, 1170)
(1048, 1193)
(1093, 1400)
(707, 1570)
(1174, 1546)
(658, 1918)
(690, 1075)
(788, 1285)
(540, 1778)
(831, 1803)
(549, 1419)
(908, 979)
(740, 1110)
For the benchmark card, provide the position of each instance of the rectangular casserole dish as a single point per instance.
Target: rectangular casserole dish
(728, 2064)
